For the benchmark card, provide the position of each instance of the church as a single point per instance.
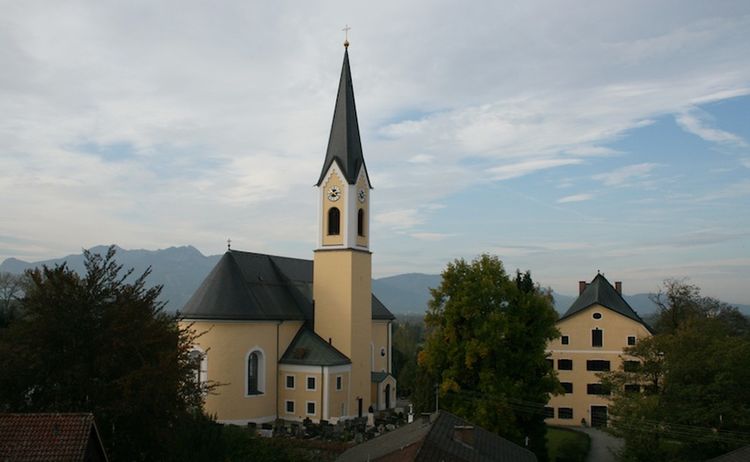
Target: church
(294, 339)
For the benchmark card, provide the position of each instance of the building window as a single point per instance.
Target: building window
(565, 364)
(631, 366)
(310, 408)
(551, 363)
(632, 388)
(596, 389)
(290, 382)
(361, 222)
(564, 340)
(289, 406)
(339, 382)
(567, 386)
(549, 412)
(199, 363)
(631, 340)
(565, 413)
(597, 316)
(311, 383)
(597, 365)
(596, 338)
(255, 373)
(382, 352)
(334, 221)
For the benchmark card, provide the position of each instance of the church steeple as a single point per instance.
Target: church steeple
(344, 145)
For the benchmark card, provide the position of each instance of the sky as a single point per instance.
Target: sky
(564, 137)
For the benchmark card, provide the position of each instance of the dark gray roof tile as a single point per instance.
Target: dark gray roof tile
(309, 349)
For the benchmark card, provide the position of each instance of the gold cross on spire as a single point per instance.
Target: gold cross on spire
(346, 35)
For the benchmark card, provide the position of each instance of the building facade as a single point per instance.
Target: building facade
(593, 333)
(293, 339)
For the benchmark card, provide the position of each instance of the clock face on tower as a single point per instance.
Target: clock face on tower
(361, 195)
(334, 193)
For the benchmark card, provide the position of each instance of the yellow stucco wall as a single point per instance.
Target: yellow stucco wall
(300, 395)
(343, 312)
(615, 331)
(362, 184)
(380, 342)
(227, 345)
(338, 397)
(333, 180)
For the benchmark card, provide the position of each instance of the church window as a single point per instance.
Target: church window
(565, 413)
(311, 383)
(565, 340)
(334, 221)
(596, 337)
(382, 352)
(597, 389)
(361, 222)
(290, 382)
(199, 363)
(310, 407)
(255, 372)
(289, 406)
(631, 340)
(567, 387)
(565, 364)
(339, 382)
(597, 365)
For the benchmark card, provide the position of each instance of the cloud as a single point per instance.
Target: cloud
(626, 175)
(515, 170)
(433, 237)
(575, 198)
(697, 122)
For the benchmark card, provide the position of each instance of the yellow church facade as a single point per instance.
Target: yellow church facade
(291, 339)
(594, 331)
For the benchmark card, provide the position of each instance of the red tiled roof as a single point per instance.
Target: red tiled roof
(45, 437)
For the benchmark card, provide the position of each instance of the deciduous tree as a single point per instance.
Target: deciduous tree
(485, 347)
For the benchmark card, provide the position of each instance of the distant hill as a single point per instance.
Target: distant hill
(181, 270)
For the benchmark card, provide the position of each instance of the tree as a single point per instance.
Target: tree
(11, 289)
(407, 338)
(96, 343)
(682, 395)
(485, 348)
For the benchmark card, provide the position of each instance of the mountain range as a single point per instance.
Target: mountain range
(180, 270)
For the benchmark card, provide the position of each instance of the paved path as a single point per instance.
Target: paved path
(602, 445)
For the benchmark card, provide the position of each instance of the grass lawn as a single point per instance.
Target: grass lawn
(567, 445)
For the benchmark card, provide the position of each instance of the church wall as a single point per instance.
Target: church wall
(337, 398)
(343, 312)
(334, 179)
(227, 346)
(615, 331)
(301, 395)
(381, 352)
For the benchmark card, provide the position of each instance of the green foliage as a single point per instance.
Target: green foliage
(97, 343)
(485, 348)
(694, 402)
(566, 445)
(407, 339)
(11, 290)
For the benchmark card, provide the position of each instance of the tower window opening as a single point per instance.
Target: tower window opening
(334, 221)
(361, 222)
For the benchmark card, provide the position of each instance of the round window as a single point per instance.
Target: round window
(597, 316)
(382, 352)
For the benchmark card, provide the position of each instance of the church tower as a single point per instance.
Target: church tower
(342, 264)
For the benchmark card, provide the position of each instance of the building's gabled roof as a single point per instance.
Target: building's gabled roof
(49, 437)
(436, 440)
(601, 292)
(309, 349)
(256, 287)
(344, 144)
(377, 377)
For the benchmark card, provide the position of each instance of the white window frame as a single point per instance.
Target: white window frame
(203, 367)
(339, 382)
(261, 372)
(307, 383)
(315, 407)
(286, 406)
(635, 340)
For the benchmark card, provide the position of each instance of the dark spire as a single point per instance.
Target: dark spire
(344, 144)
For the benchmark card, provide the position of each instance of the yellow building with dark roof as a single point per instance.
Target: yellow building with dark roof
(593, 333)
(295, 339)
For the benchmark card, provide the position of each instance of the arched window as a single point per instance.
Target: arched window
(334, 221)
(199, 363)
(255, 372)
(361, 222)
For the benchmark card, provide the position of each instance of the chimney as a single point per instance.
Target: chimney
(464, 434)
(618, 287)
(581, 287)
